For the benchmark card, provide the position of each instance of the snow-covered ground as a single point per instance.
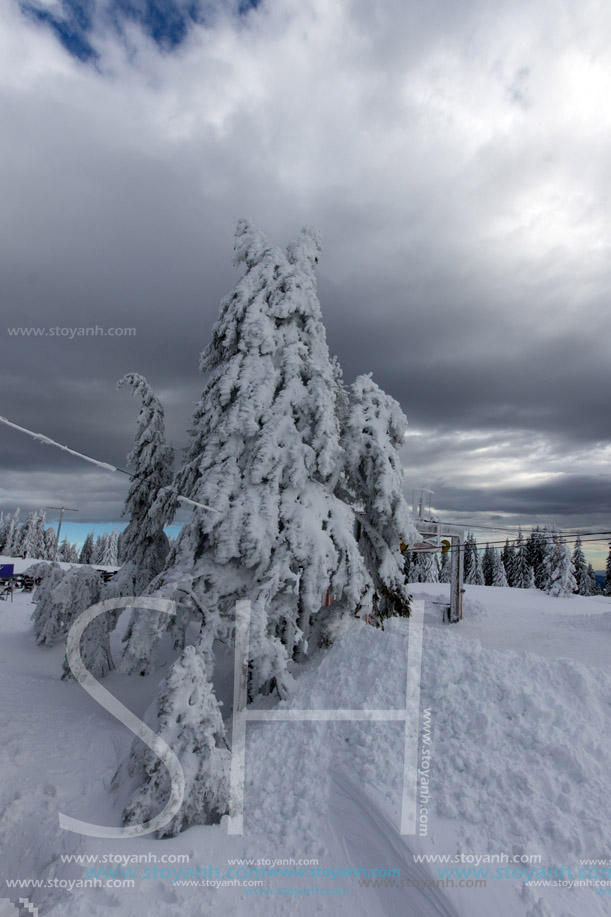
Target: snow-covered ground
(519, 695)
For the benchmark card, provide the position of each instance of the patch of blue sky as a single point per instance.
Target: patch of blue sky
(167, 22)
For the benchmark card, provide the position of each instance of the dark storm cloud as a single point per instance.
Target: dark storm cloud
(459, 173)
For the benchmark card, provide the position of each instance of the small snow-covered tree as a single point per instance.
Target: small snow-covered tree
(498, 571)
(488, 565)
(559, 579)
(536, 549)
(508, 555)
(445, 570)
(63, 596)
(109, 558)
(48, 614)
(594, 584)
(374, 431)
(425, 569)
(86, 555)
(607, 589)
(63, 553)
(472, 568)
(39, 536)
(83, 588)
(583, 583)
(523, 577)
(188, 718)
(11, 545)
(27, 541)
(99, 548)
(50, 543)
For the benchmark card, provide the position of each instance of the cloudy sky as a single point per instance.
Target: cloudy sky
(456, 156)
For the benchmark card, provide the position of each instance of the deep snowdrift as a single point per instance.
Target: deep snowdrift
(520, 758)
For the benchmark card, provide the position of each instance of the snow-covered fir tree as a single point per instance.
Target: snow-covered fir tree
(498, 571)
(144, 545)
(265, 456)
(82, 587)
(488, 565)
(281, 490)
(373, 432)
(86, 555)
(187, 716)
(559, 579)
(424, 568)
(48, 614)
(607, 589)
(472, 567)
(32, 535)
(110, 555)
(99, 548)
(583, 583)
(50, 543)
(523, 576)
(11, 544)
(445, 569)
(508, 556)
(594, 584)
(536, 549)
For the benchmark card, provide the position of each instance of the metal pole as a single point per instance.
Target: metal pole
(456, 587)
(59, 528)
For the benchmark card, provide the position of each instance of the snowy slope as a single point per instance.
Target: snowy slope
(520, 701)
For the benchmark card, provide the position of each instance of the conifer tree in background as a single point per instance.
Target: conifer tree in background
(445, 570)
(27, 536)
(508, 557)
(99, 546)
(86, 555)
(488, 565)
(425, 569)
(583, 583)
(50, 543)
(110, 553)
(559, 579)
(472, 568)
(536, 549)
(498, 571)
(523, 577)
(607, 589)
(408, 558)
(468, 556)
(595, 588)
(12, 535)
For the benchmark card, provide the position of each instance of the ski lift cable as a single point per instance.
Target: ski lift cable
(106, 466)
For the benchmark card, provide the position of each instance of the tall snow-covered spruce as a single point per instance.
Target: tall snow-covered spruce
(300, 503)
(374, 431)
(144, 545)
